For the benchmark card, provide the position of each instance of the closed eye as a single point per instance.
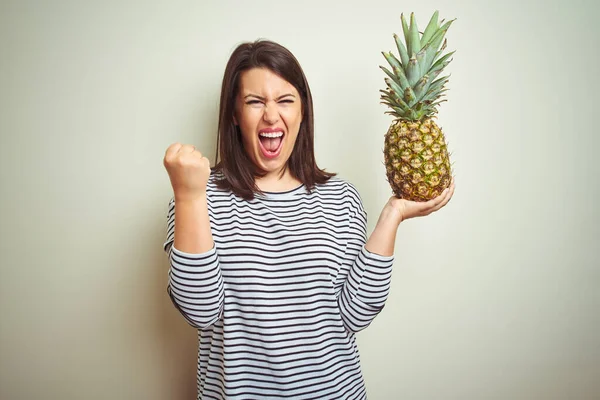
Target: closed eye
(259, 102)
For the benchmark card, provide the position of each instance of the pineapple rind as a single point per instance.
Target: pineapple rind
(417, 161)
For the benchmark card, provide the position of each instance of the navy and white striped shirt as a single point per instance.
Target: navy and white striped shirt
(278, 300)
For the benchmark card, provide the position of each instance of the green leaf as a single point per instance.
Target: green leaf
(420, 86)
(400, 111)
(422, 113)
(399, 72)
(390, 105)
(397, 68)
(421, 61)
(406, 34)
(436, 87)
(438, 63)
(436, 40)
(429, 97)
(414, 46)
(391, 59)
(389, 74)
(394, 86)
(401, 50)
(432, 52)
(409, 96)
(437, 103)
(441, 80)
(395, 99)
(390, 98)
(434, 90)
(432, 26)
(434, 72)
(412, 71)
(440, 51)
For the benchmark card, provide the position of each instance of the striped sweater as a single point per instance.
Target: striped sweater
(277, 301)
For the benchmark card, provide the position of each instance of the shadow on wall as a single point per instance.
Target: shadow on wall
(176, 339)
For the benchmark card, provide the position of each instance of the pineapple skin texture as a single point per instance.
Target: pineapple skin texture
(417, 160)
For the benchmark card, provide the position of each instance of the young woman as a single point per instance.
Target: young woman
(268, 253)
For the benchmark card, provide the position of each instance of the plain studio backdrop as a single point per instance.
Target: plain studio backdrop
(494, 297)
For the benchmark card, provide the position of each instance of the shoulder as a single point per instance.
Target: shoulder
(343, 190)
(213, 180)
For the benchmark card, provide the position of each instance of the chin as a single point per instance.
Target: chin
(270, 166)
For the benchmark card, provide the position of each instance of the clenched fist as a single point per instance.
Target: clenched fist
(188, 171)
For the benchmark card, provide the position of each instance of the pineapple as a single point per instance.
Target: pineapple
(416, 155)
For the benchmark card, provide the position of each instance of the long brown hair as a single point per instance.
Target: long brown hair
(238, 171)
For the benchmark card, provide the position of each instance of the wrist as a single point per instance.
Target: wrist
(186, 198)
(390, 215)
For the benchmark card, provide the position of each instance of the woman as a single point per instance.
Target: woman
(269, 255)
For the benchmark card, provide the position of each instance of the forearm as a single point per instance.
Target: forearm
(369, 264)
(195, 281)
(192, 226)
(383, 238)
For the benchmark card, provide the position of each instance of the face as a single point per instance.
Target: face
(269, 112)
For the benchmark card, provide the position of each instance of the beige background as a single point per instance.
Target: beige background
(495, 297)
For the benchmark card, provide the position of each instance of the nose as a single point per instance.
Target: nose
(271, 114)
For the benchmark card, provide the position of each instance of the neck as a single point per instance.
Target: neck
(276, 182)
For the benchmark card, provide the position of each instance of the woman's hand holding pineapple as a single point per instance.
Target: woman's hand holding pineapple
(398, 210)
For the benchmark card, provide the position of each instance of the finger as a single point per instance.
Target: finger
(171, 152)
(196, 151)
(205, 162)
(447, 195)
(450, 190)
(422, 209)
(443, 197)
(427, 206)
(187, 148)
(443, 203)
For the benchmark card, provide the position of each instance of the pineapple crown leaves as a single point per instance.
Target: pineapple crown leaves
(413, 92)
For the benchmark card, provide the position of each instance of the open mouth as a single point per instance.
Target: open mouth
(270, 143)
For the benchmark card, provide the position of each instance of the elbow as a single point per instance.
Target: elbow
(356, 322)
(354, 326)
(357, 315)
(197, 315)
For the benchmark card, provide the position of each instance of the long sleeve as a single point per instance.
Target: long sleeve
(195, 281)
(365, 276)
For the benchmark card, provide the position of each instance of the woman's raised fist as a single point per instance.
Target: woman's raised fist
(188, 171)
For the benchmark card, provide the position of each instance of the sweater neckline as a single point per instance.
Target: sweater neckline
(285, 194)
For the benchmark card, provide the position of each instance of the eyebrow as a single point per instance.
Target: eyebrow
(262, 98)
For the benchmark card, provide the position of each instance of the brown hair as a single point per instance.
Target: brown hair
(238, 171)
